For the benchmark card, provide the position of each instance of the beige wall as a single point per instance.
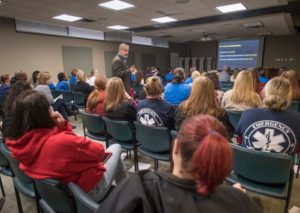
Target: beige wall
(29, 52)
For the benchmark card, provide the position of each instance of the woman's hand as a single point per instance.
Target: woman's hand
(239, 186)
(57, 118)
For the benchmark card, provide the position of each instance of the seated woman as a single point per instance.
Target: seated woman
(47, 148)
(203, 100)
(153, 111)
(81, 85)
(243, 94)
(43, 80)
(271, 129)
(73, 78)
(215, 79)
(96, 101)
(14, 91)
(202, 159)
(118, 104)
(292, 76)
(177, 91)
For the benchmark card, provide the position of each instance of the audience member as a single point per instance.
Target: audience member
(62, 84)
(34, 78)
(118, 104)
(4, 88)
(138, 84)
(169, 76)
(202, 160)
(153, 111)
(96, 100)
(73, 78)
(223, 75)
(58, 104)
(92, 79)
(14, 91)
(177, 91)
(189, 80)
(234, 74)
(215, 79)
(81, 85)
(37, 140)
(19, 76)
(203, 100)
(194, 75)
(272, 128)
(292, 76)
(243, 95)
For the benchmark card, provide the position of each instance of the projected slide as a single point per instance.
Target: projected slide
(240, 53)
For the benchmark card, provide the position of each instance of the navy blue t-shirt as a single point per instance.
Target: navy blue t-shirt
(155, 112)
(270, 130)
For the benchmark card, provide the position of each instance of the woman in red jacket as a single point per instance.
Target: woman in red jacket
(46, 147)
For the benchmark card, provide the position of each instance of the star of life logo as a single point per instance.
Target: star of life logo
(270, 136)
(149, 117)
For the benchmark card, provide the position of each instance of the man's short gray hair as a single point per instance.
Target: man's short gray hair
(123, 46)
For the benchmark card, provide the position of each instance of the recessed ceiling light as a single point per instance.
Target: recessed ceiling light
(253, 25)
(69, 18)
(116, 5)
(231, 8)
(118, 27)
(1, 2)
(164, 19)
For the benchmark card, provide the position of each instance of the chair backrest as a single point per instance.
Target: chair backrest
(155, 139)
(84, 204)
(294, 106)
(92, 122)
(55, 93)
(234, 117)
(67, 96)
(55, 194)
(79, 98)
(262, 167)
(3, 160)
(120, 130)
(14, 164)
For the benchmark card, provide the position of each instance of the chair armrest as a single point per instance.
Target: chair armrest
(82, 199)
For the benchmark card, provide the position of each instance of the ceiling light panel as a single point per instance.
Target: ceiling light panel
(69, 18)
(116, 5)
(118, 27)
(165, 19)
(231, 8)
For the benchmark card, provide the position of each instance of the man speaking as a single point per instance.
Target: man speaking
(120, 68)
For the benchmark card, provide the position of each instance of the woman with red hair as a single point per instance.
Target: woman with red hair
(202, 159)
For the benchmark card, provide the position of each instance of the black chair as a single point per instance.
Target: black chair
(234, 118)
(68, 98)
(121, 132)
(84, 204)
(4, 170)
(155, 142)
(55, 195)
(22, 183)
(79, 100)
(55, 93)
(294, 106)
(269, 174)
(93, 126)
(45, 207)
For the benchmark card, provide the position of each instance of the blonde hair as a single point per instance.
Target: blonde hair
(202, 100)
(94, 99)
(278, 92)
(195, 74)
(153, 86)
(80, 75)
(244, 90)
(115, 94)
(292, 76)
(44, 77)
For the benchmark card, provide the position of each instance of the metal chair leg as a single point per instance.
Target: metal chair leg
(2, 188)
(19, 203)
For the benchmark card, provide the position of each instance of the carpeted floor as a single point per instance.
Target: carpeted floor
(269, 205)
